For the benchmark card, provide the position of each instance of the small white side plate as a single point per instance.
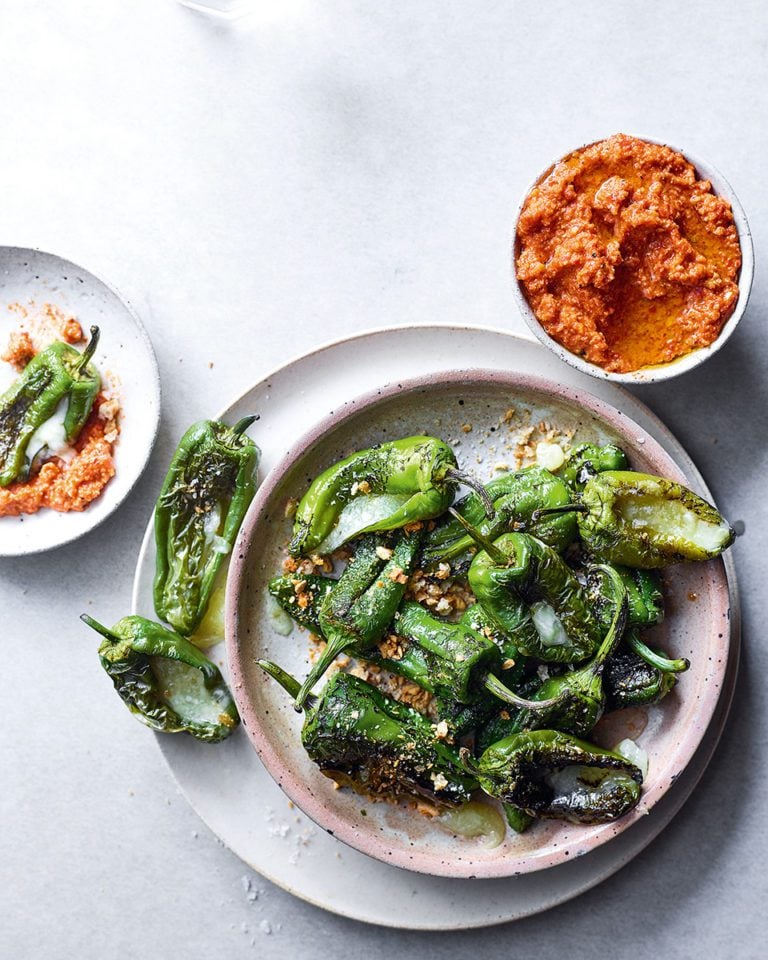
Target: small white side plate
(124, 358)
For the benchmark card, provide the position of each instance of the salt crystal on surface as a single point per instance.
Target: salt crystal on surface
(265, 926)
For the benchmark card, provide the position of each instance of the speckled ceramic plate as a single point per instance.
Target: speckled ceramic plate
(228, 785)
(30, 280)
(467, 408)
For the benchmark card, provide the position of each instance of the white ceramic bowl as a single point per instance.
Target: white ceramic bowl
(125, 360)
(682, 364)
(696, 626)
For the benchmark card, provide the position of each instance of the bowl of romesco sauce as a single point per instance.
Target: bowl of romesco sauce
(632, 261)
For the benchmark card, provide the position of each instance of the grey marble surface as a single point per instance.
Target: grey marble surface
(256, 189)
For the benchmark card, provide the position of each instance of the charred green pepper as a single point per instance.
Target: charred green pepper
(589, 459)
(165, 680)
(644, 596)
(516, 496)
(574, 701)
(413, 663)
(639, 520)
(355, 614)
(353, 732)
(630, 681)
(464, 661)
(57, 376)
(550, 775)
(525, 586)
(383, 488)
(207, 490)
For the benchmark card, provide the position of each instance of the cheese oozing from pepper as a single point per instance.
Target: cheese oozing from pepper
(185, 692)
(548, 626)
(50, 438)
(672, 519)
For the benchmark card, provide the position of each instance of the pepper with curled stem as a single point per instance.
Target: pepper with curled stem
(384, 488)
(164, 680)
(353, 732)
(207, 490)
(551, 775)
(639, 520)
(355, 614)
(58, 374)
(515, 498)
(527, 588)
(574, 701)
(630, 681)
(589, 459)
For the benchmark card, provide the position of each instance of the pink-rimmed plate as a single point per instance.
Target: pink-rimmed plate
(697, 623)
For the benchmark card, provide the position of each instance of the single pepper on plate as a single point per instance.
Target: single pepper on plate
(165, 680)
(355, 614)
(551, 775)
(526, 587)
(638, 520)
(516, 497)
(58, 375)
(207, 490)
(357, 735)
(383, 488)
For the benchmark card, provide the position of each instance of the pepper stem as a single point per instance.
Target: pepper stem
(323, 662)
(493, 685)
(290, 684)
(554, 511)
(242, 425)
(100, 628)
(656, 659)
(87, 355)
(619, 619)
(480, 490)
(481, 540)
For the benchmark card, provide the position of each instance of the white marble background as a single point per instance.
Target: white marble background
(256, 189)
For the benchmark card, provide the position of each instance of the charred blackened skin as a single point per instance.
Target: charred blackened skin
(354, 732)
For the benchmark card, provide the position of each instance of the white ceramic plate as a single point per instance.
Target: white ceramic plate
(228, 786)
(31, 278)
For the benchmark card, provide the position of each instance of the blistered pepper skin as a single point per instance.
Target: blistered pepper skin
(516, 497)
(415, 468)
(639, 520)
(127, 655)
(358, 735)
(58, 373)
(589, 459)
(355, 614)
(532, 573)
(515, 769)
(207, 490)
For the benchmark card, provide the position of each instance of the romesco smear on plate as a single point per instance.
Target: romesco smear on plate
(626, 257)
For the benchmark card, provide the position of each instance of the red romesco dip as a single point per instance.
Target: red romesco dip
(626, 258)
